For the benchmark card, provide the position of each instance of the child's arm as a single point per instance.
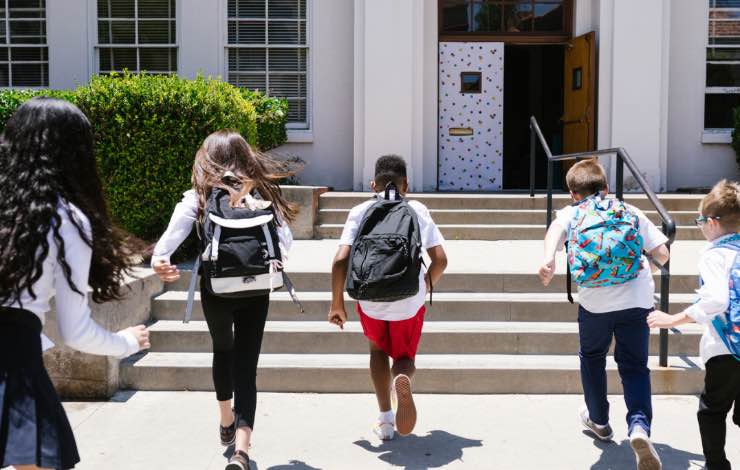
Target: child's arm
(337, 313)
(660, 254)
(180, 226)
(714, 295)
(437, 267)
(554, 241)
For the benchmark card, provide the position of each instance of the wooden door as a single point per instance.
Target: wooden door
(579, 110)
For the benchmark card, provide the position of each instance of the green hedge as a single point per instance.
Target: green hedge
(272, 116)
(147, 131)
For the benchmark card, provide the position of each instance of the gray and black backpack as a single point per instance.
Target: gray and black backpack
(386, 257)
(240, 251)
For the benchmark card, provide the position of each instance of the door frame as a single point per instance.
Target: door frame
(523, 39)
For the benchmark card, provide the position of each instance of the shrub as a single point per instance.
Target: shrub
(11, 99)
(272, 116)
(147, 131)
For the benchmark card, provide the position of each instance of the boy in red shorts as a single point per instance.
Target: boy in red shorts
(393, 329)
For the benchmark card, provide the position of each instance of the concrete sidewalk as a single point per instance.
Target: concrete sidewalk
(178, 430)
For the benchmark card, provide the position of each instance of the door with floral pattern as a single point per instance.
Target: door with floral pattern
(471, 94)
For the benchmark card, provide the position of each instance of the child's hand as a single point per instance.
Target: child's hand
(547, 272)
(166, 272)
(659, 319)
(338, 316)
(141, 334)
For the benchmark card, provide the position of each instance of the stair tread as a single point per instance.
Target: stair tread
(428, 361)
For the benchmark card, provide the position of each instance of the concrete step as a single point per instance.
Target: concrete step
(496, 232)
(448, 306)
(348, 373)
(346, 200)
(464, 282)
(459, 337)
(493, 216)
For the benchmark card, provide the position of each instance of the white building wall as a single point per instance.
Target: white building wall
(690, 162)
(201, 38)
(68, 36)
(328, 146)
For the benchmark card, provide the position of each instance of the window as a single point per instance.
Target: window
(723, 64)
(137, 35)
(24, 55)
(267, 50)
(505, 16)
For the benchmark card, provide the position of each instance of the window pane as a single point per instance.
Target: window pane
(30, 75)
(297, 112)
(155, 32)
(113, 59)
(251, 81)
(156, 9)
(104, 32)
(518, 18)
(157, 59)
(247, 8)
(548, 17)
(4, 76)
(28, 32)
(487, 17)
(727, 75)
(123, 32)
(718, 111)
(26, 54)
(455, 15)
(122, 8)
(247, 60)
(724, 3)
(286, 32)
(103, 11)
(247, 32)
(722, 54)
(288, 60)
(287, 85)
(286, 9)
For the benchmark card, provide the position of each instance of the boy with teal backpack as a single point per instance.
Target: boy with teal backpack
(607, 240)
(718, 308)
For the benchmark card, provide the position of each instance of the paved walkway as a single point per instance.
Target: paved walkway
(167, 430)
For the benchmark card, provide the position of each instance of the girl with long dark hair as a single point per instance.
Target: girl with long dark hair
(227, 162)
(56, 240)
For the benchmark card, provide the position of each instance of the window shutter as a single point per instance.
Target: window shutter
(24, 53)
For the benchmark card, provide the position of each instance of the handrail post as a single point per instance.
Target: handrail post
(532, 151)
(620, 176)
(665, 289)
(549, 192)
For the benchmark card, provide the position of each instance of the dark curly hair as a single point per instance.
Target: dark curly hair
(46, 156)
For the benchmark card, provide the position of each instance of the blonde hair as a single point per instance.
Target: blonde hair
(227, 161)
(723, 202)
(586, 178)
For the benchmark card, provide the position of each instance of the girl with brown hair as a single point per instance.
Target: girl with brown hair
(225, 161)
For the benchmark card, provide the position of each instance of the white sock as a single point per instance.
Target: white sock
(600, 426)
(387, 417)
(639, 430)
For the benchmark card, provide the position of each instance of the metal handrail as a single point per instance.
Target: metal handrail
(623, 158)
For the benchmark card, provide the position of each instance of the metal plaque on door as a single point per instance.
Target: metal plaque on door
(471, 106)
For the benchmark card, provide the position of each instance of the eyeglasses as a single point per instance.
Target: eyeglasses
(702, 219)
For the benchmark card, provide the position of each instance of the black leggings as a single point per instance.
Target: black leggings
(235, 355)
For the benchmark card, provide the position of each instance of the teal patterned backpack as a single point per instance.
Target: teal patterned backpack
(604, 243)
(728, 324)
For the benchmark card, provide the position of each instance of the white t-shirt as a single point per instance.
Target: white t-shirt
(715, 265)
(430, 237)
(637, 293)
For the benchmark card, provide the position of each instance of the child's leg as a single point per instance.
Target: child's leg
(249, 327)
(404, 366)
(380, 371)
(720, 392)
(220, 318)
(595, 331)
(631, 353)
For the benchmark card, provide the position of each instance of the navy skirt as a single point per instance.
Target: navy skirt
(34, 429)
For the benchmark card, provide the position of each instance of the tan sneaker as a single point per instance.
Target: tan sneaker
(645, 453)
(602, 433)
(406, 412)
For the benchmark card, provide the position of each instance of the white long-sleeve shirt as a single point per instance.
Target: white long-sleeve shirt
(181, 224)
(76, 327)
(715, 265)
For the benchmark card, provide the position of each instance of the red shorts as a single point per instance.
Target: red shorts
(398, 339)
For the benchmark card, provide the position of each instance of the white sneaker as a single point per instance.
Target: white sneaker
(602, 433)
(647, 457)
(385, 431)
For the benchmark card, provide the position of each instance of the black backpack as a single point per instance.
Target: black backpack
(386, 256)
(240, 251)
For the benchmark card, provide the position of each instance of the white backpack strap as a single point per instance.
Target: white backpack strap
(191, 291)
(268, 239)
(214, 242)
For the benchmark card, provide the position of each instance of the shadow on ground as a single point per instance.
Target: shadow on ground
(619, 456)
(436, 449)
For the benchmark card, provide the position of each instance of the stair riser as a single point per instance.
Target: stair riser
(491, 203)
(491, 218)
(441, 311)
(497, 232)
(452, 381)
(462, 282)
(431, 343)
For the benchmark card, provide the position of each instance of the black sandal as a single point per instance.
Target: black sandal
(238, 461)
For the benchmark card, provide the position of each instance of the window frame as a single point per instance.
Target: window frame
(93, 37)
(527, 37)
(716, 134)
(9, 45)
(298, 132)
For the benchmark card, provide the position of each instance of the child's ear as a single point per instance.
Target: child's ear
(373, 186)
(405, 185)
